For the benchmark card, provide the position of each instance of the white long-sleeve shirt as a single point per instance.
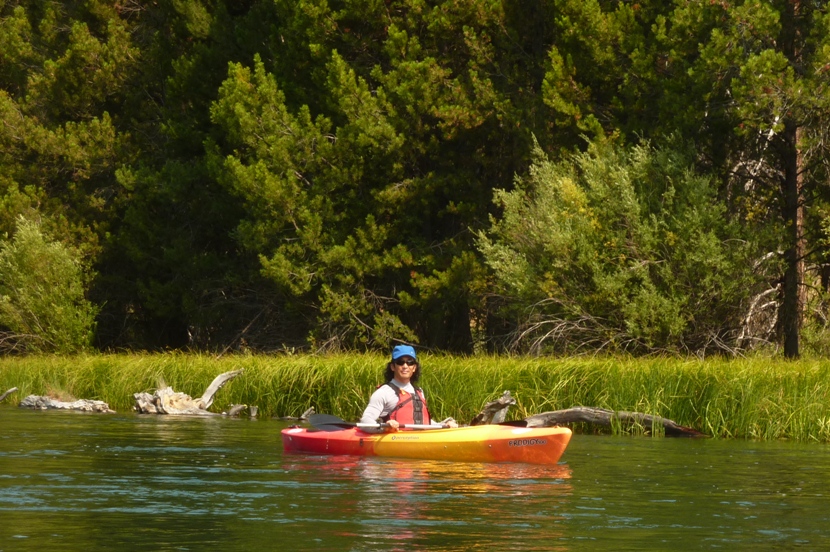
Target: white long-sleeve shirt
(383, 401)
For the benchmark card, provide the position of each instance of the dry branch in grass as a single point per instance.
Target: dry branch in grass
(7, 393)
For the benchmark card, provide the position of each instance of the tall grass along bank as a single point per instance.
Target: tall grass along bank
(758, 398)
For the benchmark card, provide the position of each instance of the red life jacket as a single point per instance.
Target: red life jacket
(411, 408)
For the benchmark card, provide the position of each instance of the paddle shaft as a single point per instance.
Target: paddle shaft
(332, 423)
(402, 426)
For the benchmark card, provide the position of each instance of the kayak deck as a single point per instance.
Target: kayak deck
(485, 443)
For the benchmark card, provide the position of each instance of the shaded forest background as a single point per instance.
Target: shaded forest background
(543, 176)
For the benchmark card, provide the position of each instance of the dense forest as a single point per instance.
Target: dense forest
(542, 176)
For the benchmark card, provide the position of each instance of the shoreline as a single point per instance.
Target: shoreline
(754, 398)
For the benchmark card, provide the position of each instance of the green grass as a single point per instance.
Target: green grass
(758, 398)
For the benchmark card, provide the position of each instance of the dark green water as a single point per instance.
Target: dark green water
(73, 481)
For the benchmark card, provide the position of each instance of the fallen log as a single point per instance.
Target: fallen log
(167, 401)
(605, 417)
(7, 393)
(38, 402)
(494, 412)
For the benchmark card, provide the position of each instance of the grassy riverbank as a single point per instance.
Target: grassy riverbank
(760, 398)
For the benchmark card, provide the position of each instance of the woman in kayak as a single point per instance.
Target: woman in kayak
(399, 401)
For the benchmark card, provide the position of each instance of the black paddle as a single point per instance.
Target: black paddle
(327, 422)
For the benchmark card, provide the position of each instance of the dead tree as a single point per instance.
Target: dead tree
(167, 401)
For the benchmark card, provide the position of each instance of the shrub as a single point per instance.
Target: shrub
(621, 249)
(42, 304)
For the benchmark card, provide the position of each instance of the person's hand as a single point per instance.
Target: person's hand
(449, 422)
(392, 425)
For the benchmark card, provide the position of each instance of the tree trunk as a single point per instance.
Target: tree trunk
(792, 304)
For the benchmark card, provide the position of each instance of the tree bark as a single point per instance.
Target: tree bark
(792, 304)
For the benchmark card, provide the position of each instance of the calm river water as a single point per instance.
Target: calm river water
(72, 481)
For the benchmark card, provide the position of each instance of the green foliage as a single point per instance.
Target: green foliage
(42, 304)
(306, 173)
(352, 204)
(63, 70)
(620, 249)
(364, 142)
(299, 186)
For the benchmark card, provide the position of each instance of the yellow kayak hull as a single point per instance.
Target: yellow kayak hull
(485, 443)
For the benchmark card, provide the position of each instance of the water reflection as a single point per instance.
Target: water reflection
(70, 482)
(399, 504)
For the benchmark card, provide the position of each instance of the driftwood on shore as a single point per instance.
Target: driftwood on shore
(494, 412)
(168, 401)
(605, 417)
(7, 393)
(38, 402)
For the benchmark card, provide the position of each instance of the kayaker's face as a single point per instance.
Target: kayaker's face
(403, 368)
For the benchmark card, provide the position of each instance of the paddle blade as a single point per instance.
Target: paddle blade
(514, 423)
(333, 427)
(327, 422)
(315, 419)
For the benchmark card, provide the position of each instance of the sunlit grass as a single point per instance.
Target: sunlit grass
(757, 398)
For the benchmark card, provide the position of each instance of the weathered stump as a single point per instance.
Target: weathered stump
(494, 412)
(167, 401)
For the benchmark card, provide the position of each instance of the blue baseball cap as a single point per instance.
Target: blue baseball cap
(403, 350)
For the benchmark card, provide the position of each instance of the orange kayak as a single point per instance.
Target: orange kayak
(484, 443)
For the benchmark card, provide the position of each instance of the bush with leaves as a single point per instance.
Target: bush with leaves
(619, 249)
(42, 304)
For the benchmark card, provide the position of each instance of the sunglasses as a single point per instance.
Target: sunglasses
(401, 362)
